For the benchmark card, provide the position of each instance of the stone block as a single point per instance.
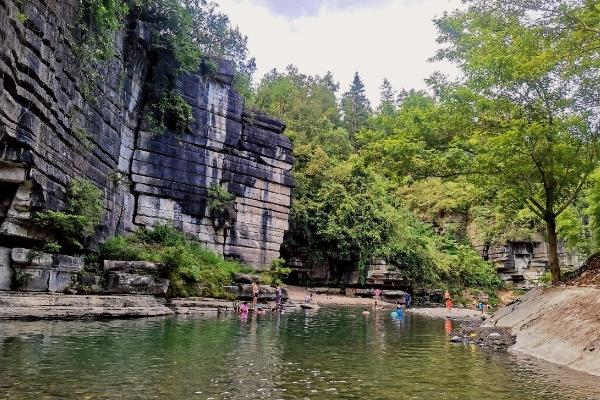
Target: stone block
(239, 277)
(12, 173)
(34, 279)
(22, 256)
(137, 267)
(67, 263)
(6, 271)
(126, 283)
(59, 281)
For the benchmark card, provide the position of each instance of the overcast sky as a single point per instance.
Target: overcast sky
(378, 38)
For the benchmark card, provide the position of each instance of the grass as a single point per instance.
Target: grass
(192, 269)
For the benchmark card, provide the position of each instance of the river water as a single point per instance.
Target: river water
(327, 354)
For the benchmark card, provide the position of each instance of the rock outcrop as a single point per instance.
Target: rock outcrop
(52, 131)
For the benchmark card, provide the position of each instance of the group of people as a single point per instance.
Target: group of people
(244, 308)
(400, 307)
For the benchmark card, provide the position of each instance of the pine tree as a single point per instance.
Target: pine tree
(387, 104)
(355, 106)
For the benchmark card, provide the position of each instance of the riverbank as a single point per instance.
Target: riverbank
(297, 293)
(458, 314)
(556, 324)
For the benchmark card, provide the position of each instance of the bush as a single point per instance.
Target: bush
(78, 220)
(192, 269)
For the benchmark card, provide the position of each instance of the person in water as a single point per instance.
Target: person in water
(399, 310)
(278, 298)
(365, 312)
(254, 295)
(244, 308)
(377, 296)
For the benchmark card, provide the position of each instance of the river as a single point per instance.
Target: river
(327, 354)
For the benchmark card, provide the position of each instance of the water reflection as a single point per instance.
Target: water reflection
(325, 354)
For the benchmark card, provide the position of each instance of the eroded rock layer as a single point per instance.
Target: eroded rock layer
(56, 125)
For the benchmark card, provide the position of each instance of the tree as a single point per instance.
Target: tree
(356, 108)
(534, 131)
(387, 104)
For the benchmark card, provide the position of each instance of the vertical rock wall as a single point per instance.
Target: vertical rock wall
(51, 133)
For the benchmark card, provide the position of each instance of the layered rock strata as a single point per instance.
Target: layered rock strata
(56, 124)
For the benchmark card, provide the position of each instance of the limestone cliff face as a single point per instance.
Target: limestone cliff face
(50, 134)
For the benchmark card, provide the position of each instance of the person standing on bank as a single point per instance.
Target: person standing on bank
(448, 300)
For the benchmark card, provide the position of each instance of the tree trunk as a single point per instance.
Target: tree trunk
(553, 249)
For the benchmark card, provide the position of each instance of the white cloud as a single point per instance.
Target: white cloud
(393, 39)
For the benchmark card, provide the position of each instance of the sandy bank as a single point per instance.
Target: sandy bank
(560, 325)
(459, 314)
(297, 293)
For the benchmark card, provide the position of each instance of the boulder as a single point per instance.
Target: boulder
(239, 277)
(392, 295)
(456, 339)
(494, 336)
(125, 283)
(133, 267)
(326, 291)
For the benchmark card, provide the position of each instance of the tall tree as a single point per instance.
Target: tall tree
(534, 133)
(387, 102)
(356, 108)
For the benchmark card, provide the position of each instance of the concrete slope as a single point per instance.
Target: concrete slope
(560, 325)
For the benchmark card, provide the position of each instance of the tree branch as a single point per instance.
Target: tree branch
(573, 195)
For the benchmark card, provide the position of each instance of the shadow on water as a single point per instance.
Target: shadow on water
(328, 354)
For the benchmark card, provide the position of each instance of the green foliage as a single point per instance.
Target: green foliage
(219, 199)
(277, 274)
(51, 247)
(99, 21)
(20, 278)
(356, 108)
(192, 269)
(171, 111)
(530, 106)
(77, 222)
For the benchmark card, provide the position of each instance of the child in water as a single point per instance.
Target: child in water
(399, 310)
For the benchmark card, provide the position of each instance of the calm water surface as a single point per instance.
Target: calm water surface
(328, 354)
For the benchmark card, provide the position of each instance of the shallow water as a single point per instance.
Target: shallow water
(328, 354)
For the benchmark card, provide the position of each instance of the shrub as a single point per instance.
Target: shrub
(192, 269)
(78, 221)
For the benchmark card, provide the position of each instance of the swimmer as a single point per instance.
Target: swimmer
(365, 312)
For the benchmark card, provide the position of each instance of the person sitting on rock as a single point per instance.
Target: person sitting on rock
(244, 308)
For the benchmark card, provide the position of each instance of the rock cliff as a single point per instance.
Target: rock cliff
(52, 131)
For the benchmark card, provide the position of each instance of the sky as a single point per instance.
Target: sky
(378, 38)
